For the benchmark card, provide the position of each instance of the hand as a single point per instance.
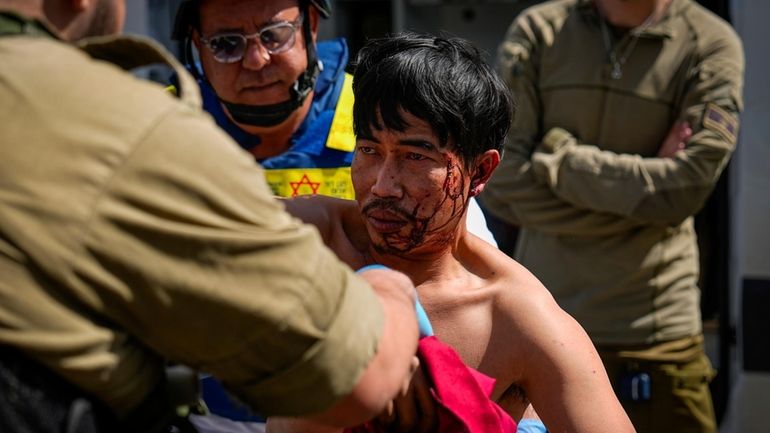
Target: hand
(675, 140)
(400, 404)
(414, 409)
(391, 364)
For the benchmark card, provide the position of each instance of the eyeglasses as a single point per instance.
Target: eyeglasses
(276, 38)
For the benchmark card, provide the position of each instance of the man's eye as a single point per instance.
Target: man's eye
(277, 35)
(366, 150)
(415, 156)
(226, 44)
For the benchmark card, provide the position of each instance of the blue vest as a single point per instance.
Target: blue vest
(318, 160)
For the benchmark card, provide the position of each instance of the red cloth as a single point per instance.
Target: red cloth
(461, 394)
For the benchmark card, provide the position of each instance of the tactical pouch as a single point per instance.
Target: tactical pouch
(35, 400)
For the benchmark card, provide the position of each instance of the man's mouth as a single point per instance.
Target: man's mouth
(259, 87)
(385, 221)
(386, 217)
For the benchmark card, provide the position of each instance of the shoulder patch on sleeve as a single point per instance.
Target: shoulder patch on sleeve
(720, 121)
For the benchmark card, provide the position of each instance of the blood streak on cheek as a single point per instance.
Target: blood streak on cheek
(454, 187)
(454, 201)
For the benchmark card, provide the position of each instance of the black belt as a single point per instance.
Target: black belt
(33, 399)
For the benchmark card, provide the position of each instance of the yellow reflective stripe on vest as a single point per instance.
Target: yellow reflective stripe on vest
(341, 136)
(291, 182)
(335, 182)
(172, 90)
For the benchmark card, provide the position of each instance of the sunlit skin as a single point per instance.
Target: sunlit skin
(107, 18)
(260, 78)
(412, 193)
(74, 20)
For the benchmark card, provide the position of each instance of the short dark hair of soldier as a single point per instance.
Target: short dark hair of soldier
(442, 80)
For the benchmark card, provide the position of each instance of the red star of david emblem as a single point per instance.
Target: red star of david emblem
(295, 186)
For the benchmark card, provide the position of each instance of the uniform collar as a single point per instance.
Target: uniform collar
(13, 23)
(666, 26)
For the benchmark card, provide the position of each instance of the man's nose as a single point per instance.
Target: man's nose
(388, 183)
(256, 56)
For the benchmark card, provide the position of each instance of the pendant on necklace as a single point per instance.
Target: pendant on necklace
(617, 72)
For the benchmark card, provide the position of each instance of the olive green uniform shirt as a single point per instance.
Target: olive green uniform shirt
(606, 224)
(133, 231)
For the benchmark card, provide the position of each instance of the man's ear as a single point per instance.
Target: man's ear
(314, 18)
(482, 170)
(79, 5)
(196, 39)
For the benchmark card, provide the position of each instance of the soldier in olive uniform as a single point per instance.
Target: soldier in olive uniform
(628, 112)
(115, 261)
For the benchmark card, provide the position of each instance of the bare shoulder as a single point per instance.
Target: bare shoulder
(338, 222)
(524, 302)
(516, 288)
(326, 213)
(525, 312)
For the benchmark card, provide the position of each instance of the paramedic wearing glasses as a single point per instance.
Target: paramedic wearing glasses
(281, 96)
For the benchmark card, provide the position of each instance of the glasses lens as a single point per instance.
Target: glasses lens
(277, 38)
(227, 48)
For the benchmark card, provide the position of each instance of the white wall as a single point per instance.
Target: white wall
(136, 17)
(483, 22)
(752, 157)
(749, 409)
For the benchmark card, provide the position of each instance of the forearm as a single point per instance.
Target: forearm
(516, 196)
(391, 367)
(647, 190)
(387, 373)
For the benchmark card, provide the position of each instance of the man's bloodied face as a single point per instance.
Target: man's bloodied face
(411, 193)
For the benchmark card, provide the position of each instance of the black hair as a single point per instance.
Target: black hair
(441, 80)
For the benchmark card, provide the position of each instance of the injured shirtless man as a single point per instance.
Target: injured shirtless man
(430, 119)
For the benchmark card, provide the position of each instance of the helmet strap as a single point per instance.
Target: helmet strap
(275, 114)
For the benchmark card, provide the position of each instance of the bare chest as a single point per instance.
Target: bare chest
(468, 326)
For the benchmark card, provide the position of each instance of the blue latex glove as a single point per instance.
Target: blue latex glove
(426, 330)
(530, 425)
